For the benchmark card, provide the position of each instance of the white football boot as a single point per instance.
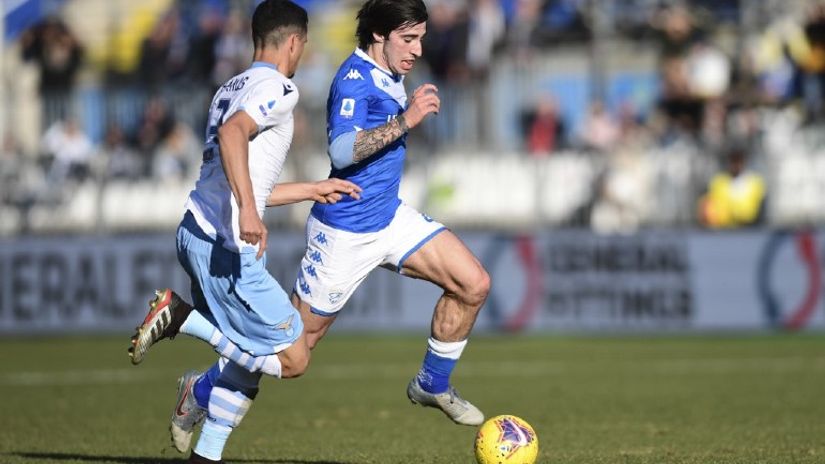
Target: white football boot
(455, 407)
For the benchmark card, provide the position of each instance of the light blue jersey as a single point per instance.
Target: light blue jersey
(364, 96)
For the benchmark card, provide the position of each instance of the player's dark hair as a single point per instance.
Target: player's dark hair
(274, 20)
(384, 16)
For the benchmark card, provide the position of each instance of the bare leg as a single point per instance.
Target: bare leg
(446, 262)
(315, 326)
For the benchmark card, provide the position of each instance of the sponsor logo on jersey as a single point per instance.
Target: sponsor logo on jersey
(353, 74)
(288, 90)
(347, 107)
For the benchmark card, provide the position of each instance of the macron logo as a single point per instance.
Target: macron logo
(353, 74)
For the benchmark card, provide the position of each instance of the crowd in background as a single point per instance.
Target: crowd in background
(718, 69)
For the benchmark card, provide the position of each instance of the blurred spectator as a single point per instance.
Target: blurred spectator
(563, 21)
(58, 55)
(69, 150)
(155, 126)
(176, 157)
(813, 85)
(486, 30)
(735, 197)
(622, 195)
(708, 71)
(445, 52)
(11, 165)
(122, 161)
(521, 31)
(678, 36)
(233, 48)
(201, 59)
(543, 127)
(445, 45)
(599, 131)
(632, 130)
(163, 54)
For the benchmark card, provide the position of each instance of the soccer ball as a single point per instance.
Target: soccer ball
(506, 440)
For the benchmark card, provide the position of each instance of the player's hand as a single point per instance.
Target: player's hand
(253, 230)
(423, 102)
(332, 190)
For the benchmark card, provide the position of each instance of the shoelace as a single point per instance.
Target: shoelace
(455, 396)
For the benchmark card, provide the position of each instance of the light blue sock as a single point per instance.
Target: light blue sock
(229, 401)
(199, 327)
(212, 439)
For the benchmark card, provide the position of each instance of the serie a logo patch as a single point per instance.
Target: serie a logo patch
(347, 107)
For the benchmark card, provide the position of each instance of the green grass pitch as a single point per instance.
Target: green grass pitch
(715, 399)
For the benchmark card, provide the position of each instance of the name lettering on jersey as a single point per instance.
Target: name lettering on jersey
(353, 74)
(288, 90)
(235, 84)
(347, 107)
(265, 110)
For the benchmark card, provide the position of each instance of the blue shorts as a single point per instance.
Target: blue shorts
(236, 293)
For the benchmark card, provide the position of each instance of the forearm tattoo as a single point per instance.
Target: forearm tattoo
(370, 142)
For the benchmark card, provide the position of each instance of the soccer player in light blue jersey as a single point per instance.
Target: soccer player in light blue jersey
(368, 117)
(239, 308)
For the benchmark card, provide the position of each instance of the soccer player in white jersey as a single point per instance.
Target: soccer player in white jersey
(239, 308)
(368, 117)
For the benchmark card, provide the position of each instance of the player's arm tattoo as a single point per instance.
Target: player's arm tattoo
(370, 142)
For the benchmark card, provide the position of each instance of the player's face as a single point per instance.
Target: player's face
(403, 47)
(296, 43)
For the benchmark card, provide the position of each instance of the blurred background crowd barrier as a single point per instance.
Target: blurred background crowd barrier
(613, 115)
(613, 118)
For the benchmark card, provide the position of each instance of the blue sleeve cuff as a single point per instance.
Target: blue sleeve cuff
(341, 149)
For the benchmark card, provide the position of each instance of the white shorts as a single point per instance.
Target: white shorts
(337, 261)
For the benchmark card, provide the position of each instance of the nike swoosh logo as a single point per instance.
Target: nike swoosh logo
(288, 90)
(178, 411)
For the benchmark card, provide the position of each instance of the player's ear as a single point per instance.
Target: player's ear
(292, 41)
(378, 38)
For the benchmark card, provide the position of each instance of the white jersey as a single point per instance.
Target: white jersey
(268, 97)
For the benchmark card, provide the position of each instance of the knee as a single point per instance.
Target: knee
(476, 288)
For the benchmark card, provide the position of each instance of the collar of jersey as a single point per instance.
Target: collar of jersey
(263, 64)
(363, 55)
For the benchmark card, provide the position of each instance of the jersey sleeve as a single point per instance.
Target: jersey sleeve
(270, 103)
(348, 101)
